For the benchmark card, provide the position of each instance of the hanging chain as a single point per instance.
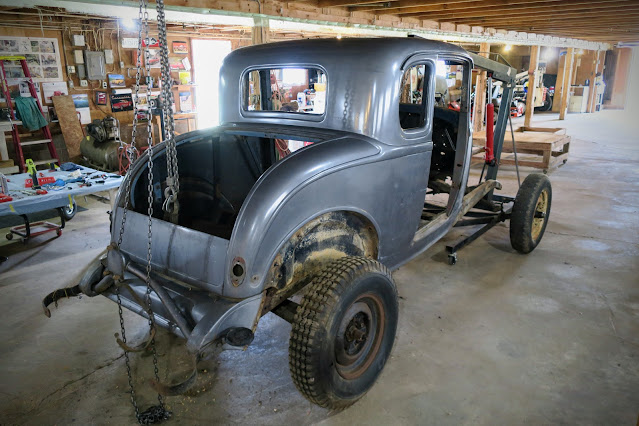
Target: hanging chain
(154, 414)
(170, 205)
(143, 16)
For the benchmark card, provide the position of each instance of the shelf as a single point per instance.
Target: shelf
(183, 86)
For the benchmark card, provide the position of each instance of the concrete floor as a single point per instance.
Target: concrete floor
(499, 338)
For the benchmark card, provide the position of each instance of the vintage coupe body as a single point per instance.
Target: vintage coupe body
(259, 224)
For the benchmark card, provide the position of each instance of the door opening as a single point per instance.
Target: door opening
(207, 60)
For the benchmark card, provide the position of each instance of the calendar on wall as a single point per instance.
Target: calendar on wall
(42, 55)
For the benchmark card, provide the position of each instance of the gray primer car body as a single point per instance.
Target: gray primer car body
(363, 168)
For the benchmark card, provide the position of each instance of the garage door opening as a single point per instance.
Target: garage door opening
(207, 57)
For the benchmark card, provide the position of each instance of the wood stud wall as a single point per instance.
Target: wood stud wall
(532, 84)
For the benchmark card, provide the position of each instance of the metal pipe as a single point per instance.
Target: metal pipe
(166, 300)
(512, 133)
(286, 310)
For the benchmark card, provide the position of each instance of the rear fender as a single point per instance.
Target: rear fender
(323, 239)
(384, 184)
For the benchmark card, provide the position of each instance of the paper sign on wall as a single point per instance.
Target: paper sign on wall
(57, 88)
(42, 55)
(81, 102)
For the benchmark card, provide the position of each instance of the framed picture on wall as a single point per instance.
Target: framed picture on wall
(116, 80)
(155, 58)
(42, 55)
(121, 101)
(180, 47)
(100, 97)
(176, 64)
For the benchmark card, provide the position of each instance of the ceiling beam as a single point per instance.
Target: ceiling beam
(552, 11)
(518, 21)
(475, 4)
(596, 14)
(297, 15)
(336, 3)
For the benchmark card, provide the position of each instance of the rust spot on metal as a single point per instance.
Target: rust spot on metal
(319, 242)
(238, 271)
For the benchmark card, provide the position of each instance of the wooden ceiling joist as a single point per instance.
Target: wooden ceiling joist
(488, 5)
(583, 21)
(548, 12)
(601, 20)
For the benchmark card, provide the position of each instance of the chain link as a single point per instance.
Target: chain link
(154, 414)
(126, 356)
(170, 204)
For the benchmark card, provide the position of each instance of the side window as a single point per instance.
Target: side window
(293, 90)
(448, 84)
(412, 112)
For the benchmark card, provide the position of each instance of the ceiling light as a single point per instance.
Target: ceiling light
(128, 23)
(508, 47)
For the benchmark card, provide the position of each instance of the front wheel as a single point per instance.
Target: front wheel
(530, 213)
(68, 211)
(343, 332)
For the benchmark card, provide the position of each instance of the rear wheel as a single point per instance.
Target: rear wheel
(547, 106)
(530, 213)
(343, 332)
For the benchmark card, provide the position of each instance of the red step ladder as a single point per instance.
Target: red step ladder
(17, 143)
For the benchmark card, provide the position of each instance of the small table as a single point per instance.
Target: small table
(23, 204)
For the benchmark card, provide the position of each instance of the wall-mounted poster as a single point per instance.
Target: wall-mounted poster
(155, 58)
(81, 102)
(180, 47)
(100, 97)
(58, 88)
(121, 100)
(153, 42)
(186, 102)
(116, 80)
(176, 64)
(42, 55)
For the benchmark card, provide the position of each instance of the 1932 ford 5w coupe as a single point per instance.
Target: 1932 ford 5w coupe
(318, 181)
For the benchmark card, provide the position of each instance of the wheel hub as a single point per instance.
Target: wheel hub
(359, 336)
(356, 333)
(541, 211)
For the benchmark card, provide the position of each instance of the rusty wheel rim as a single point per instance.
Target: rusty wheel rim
(359, 336)
(539, 217)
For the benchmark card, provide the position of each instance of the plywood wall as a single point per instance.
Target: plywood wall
(120, 54)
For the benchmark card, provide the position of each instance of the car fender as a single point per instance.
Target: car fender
(339, 175)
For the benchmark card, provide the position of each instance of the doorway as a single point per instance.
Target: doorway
(207, 58)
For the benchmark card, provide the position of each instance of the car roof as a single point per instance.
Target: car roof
(354, 50)
(363, 81)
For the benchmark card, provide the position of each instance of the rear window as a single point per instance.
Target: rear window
(293, 90)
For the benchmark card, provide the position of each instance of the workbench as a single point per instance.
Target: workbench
(25, 200)
(542, 148)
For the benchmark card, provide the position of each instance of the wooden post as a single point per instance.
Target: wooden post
(260, 31)
(592, 96)
(480, 92)
(566, 85)
(532, 84)
(559, 84)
